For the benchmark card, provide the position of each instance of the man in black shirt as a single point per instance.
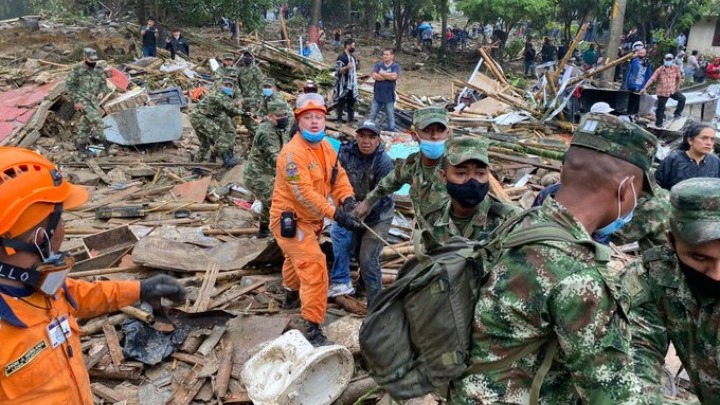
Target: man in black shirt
(695, 158)
(346, 85)
(149, 34)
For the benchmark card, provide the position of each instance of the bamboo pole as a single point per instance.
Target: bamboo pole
(570, 51)
(600, 69)
(491, 64)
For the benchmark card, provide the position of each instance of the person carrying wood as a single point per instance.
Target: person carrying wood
(469, 212)
(270, 137)
(213, 121)
(87, 87)
(41, 354)
(306, 176)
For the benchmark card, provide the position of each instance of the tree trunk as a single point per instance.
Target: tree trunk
(616, 30)
(347, 17)
(443, 4)
(398, 23)
(317, 5)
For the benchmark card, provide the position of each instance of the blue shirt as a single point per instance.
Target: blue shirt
(678, 166)
(384, 91)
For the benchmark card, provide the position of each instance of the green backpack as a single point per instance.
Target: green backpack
(416, 337)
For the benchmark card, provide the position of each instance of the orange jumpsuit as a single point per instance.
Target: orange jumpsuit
(302, 185)
(33, 371)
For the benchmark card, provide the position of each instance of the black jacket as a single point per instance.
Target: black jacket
(678, 166)
(365, 173)
(177, 45)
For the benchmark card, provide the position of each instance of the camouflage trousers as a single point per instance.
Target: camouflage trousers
(215, 134)
(90, 125)
(262, 186)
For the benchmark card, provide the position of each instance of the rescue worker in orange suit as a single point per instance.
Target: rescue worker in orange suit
(307, 174)
(40, 353)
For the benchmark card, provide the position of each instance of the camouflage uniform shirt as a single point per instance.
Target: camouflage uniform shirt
(427, 191)
(488, 216)
(260, 169)
(84, 85)
(665, 309)
(265, 101)
(250, 80)
(217, 104)
(650, 222)
(543, 291)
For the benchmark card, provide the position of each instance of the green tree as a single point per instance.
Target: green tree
(14, 8)
(510, 12)
(673, 16)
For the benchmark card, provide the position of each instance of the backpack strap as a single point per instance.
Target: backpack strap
(517, 354)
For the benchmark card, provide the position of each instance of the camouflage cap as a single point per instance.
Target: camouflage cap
(268, 82)
(90, 53)
(430, 115)
(696, 210)
(278, 108)
(228, 56)
(620, 139)
(463, 148)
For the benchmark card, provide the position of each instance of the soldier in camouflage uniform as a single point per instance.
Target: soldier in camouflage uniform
(250, 79)
(269, 95)
(650, 222)
(214, 122)
(421, 170)
(87, 86)
(469, 212)
(227, 69)
(551, 309)
(271, 135)
(674, 292)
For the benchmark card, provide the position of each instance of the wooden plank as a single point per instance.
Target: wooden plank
(211, 341)
(113, 343)
(206, 290)
(106, 393)
(235, 295)
(222, 381)
(92, 164)
(188, 387)
(185, 257)
(194, 191)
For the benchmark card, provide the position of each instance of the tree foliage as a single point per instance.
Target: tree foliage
(14, 8)
(510, 12)
(673, 16)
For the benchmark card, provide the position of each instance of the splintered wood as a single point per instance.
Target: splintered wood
(113, 343)
(206, 291)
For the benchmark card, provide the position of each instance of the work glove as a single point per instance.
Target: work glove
(349, 204)
(347, 220)
(162, 286)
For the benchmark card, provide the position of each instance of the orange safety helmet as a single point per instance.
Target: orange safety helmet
(30, 188)
(309, 102)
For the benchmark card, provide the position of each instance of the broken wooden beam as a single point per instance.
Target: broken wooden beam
(113, 343)
(206, 290)
(222, 380)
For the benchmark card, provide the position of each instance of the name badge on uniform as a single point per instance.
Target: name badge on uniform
(59, 331)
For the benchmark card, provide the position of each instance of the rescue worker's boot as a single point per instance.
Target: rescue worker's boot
(213, 157)
(107, 145)
(264, 230)
(229, 160)
(292, 299)
(315, 335)
(198, 158)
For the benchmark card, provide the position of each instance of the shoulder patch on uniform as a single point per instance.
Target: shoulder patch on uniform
(291, 171)
(25, 359)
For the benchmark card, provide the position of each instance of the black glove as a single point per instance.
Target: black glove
(347, 220)
(162, 286)
(349, 204)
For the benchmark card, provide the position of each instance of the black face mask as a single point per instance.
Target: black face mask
(351, 50)
(247, 60)
(91, 65)
(700, 284)
(468, 194)
(282, 123)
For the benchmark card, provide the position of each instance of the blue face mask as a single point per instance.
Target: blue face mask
(432, 149)
(267, 92)
(312, 137)
(620, 221)
(227, 91)
(668, 63)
